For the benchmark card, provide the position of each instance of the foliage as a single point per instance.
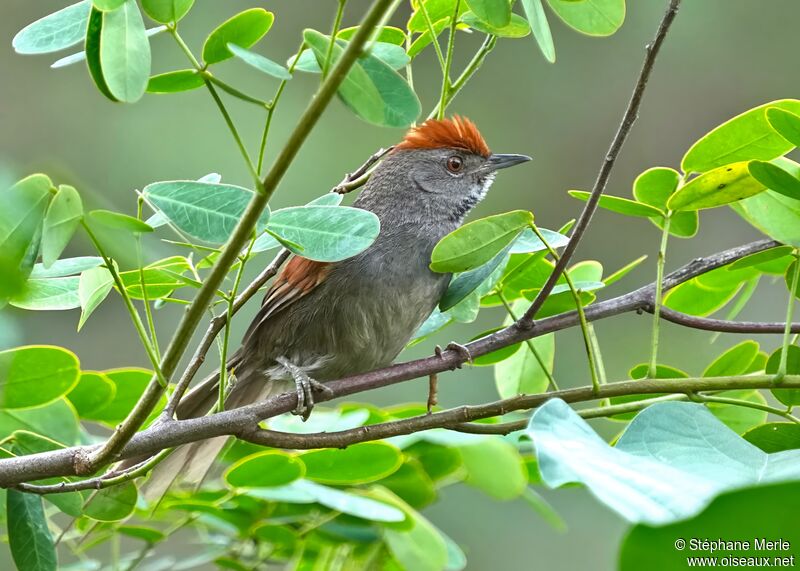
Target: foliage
(335, 506)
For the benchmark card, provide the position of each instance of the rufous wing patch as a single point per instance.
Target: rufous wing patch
(455, 133)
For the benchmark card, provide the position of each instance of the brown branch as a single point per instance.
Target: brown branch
(242, 420)
(628, 119)
(361, 175)
(723, 325)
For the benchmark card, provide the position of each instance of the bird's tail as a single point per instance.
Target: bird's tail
(191, 462)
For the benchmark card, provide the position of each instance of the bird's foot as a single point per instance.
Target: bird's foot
(461, 350)
(305, 386)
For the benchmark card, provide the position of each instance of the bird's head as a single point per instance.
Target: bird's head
(449, 163)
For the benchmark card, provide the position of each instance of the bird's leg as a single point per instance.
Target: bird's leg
(305, 386)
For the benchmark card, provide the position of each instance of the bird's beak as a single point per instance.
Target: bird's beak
(497, 162)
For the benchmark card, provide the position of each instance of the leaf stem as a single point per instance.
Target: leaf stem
(529, 342)
(134, 314)
(451, 40)
(336, 23)
(587, 340)
(659, 283)
(209, 81)
(470, 70)
(789, 315)
(147, 310)
(434, 39)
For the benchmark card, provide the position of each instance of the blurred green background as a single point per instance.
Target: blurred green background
(722, 57)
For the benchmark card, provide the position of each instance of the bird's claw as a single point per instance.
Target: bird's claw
(461, 350)
(305, 386)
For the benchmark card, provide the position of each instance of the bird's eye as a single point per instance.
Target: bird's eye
(455, 163)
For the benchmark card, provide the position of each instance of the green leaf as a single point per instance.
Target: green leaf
(654, 186)
(591, 17)
(29, 538)
(534, 12)
(325, 233)
(166, 11)
(387, 34)
(641, 371)
(790, 397)
(486, 460)
(264, 469)
(786, 123)
(392, 55)
(677, 457)
(522, 373)
(496, 13)
(735, 361)
(36, 375)
(93, 288)
(694, 298)
(118, 221)
(60, 222)
(717, 187)
(773, 214)
(92, 53)
(55, 31)
(244, 29)
(125, 52)
(764, 513)
(477, 242)
(740, 419)
(466, 283)
(93, 392)
(206, 211)
(495, 356)
(412, 484)
(146, 534)
(775, 178)
(763, 259)
(259, 62)
(436, 10)
(745, 137)
(774, 436)
(620, 205)
(66, 267)
(517, 28)
(24, 206)
(357, 464)
(129, 385)
(305, 492)
(56, 420)
(528, 242)
(424, 39)
(54, 294)
(107, 5)
(372, 89)
(416, 545)
(175, 81)
(161, 278)
(112, 504)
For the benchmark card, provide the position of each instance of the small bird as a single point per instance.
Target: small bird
(322, 321)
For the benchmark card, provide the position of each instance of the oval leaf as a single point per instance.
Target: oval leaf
(496, 13)
(534, 12)
(786, 123)
(60, 222)
(775, 178)
(125, 52)
(357, 464)
(36, 375)
(166, 11)
(29, 538)
(745, 137)
(265, 469)
(591, 17)
(479, 241)
(620, 205)
(118, 221)
(244, 29)
(54, 32)
(112, 504)
(325, 233)
(262, 64)
(717, 187)
(175, 81)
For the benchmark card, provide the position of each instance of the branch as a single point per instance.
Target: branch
(241, 421)
(88, 463)
(723, 325)
(628, 119)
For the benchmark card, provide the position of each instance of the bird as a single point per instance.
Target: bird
(321, 321)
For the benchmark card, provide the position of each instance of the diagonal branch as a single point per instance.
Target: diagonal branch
(88, 463)
(628, 119)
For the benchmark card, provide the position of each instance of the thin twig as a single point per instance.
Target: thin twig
(628, 119)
